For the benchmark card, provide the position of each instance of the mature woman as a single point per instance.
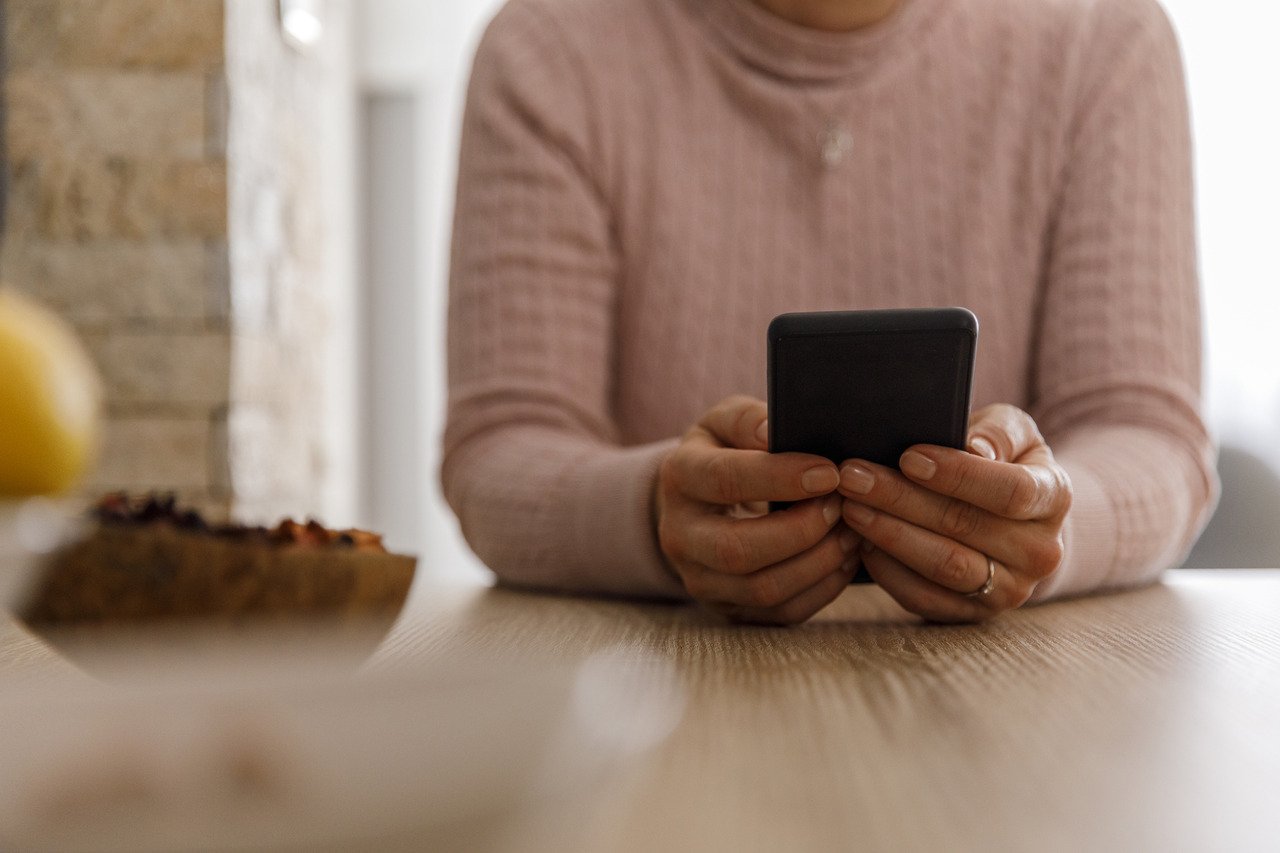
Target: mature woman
(644, 184)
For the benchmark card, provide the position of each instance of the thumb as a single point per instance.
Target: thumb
(1003, 433)
(740, 422)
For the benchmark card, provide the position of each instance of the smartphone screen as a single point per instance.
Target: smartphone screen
(870, 384)
(870, 394)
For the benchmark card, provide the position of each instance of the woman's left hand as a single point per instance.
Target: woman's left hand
(930, 530)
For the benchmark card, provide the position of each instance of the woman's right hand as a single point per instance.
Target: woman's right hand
(711, 504)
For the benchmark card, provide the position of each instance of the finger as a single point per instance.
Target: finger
(738, 421)
(774, 585)
(918, 595)
(750, 509)
(945, 562)
(1004, 433)
(739, 546)
(1037, 488)
(889, 491)
(1032, 550)
(803, 606)
(707, 472)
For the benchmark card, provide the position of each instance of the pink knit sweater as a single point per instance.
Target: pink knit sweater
(642, 188)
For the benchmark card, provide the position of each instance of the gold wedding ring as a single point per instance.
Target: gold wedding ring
(989, 585)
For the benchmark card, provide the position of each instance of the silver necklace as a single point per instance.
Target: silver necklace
(835, 141)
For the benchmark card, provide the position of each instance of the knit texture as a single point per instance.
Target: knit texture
(641, 189)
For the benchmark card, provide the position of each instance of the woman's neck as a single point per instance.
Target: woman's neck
(831, 15)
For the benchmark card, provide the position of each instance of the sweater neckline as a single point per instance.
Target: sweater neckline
(803, 54)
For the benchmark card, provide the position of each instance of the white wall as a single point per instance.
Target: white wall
(421, 50)
(423, 47)
(1233, 70)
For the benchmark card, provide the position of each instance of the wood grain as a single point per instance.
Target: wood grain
(1146, 720)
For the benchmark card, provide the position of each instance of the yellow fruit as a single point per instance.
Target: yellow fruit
(49, 400)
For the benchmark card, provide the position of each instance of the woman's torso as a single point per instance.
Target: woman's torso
(711, 123)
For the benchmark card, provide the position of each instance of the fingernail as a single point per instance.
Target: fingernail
(819, 480)
(849, 566)
(848, 541)
(762, 432)
(982, 447)
(917, 466)
(831, 510)
(857, 513)
(856, 479)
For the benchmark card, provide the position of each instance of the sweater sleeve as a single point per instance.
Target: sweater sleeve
(1117, 375)
(546, 494)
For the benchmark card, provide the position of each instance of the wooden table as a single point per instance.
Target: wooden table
(1145, 720)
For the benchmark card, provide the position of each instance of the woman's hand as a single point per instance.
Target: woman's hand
(929, 531)
(733, 555)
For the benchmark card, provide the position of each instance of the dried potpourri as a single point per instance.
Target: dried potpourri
(163, 508)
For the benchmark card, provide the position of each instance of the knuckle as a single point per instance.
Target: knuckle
(953, 570)
(718, 411)
(722, 478)
(731, 552)
(697, 435)
(1007, 413)
(891, 493)
(1014, 422)
(1046, 556)
(959, 520)
(886, 536)
(1029, 424)
(1063, 489)
(985, 412)
(1024, 492)
(1010, 429)
(1057, 551)
(732, 415)
(1018, 595)
(962, 480)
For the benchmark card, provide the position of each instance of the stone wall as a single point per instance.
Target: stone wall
(168, 196)
(118, 218)
(291, 425)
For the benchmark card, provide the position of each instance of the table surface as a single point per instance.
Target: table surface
(1143, 720)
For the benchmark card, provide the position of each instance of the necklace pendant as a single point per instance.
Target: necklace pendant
(836, 142)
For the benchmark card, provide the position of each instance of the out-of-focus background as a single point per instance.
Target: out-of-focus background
(243, 206)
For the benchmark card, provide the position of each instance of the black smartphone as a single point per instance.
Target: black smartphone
(870, 384)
